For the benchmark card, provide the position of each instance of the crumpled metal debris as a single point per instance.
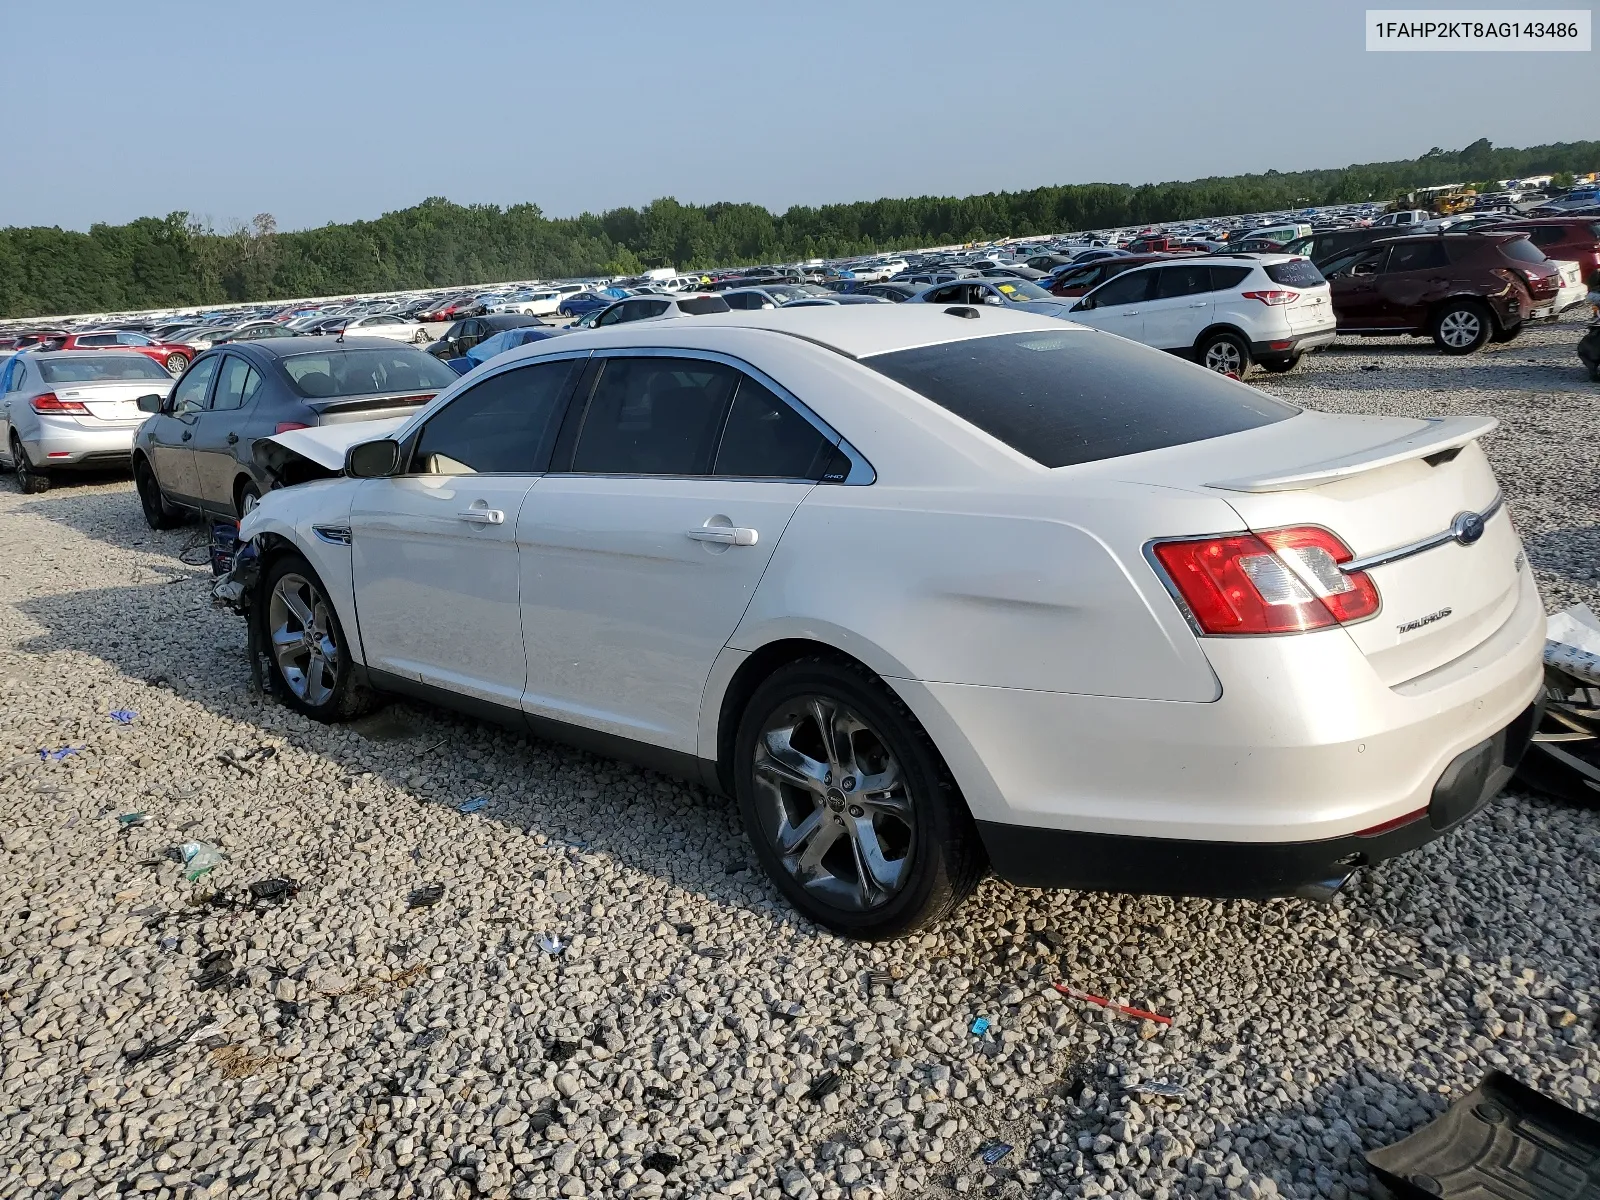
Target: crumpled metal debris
(428, 894)
(552, 943)
(992, 1152)
(1155, 1089)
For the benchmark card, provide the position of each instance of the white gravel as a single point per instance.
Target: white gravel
(367, 1048)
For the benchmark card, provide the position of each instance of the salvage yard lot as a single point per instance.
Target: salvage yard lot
(679, 1043)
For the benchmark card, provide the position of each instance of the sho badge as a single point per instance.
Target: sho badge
(1427, 620)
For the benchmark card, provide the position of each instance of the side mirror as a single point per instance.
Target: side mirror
(991, 299)
(372, 460)
(149, 404)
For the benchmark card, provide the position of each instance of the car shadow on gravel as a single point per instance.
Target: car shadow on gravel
(1572, 552)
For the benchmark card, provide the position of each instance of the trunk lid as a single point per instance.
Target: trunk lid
(112, 402)
(1311, 310)
(1381, 484)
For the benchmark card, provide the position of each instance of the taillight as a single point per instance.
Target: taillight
(1276, 581)
(1274, 296)
(286, 426)
(49, 402)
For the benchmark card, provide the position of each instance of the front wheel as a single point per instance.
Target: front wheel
(305, 644)
(1461, 327)
(420, 338)
(1226, 354)
(177, 363)
(158, 514)
(29, 478)
(851, 810)
(249, 495)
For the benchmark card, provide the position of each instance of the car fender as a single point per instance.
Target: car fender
(309, 518)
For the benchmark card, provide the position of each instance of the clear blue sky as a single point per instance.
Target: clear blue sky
(336, 110)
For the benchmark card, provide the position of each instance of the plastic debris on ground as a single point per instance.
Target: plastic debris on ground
(1500, 1139)
(660, 1161)
(877, 979)
(427, 1038)
(123, 716)
(992, 1152)
(552, 943)
(476, 804)
(659, 1095)
(428, 894)
(1572, 643)
(58, 754)
(684, 930)
(1124, 1010)
(1153, 1089)
(273, 891)
(131, 819)
(558, 1051)
(200, 858)
(980, 1026)
(216, 970)
(826, 1085)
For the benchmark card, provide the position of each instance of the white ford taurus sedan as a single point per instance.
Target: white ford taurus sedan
(929, 591)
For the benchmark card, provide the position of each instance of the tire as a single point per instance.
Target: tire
(30, 479)
(917, 829)
(177, 364)
(1225, 353)
(314, 676)
(158, 514)
(1278, 364)
(1461, 327)
(1501, 336)
(245, 497)
(420, 338)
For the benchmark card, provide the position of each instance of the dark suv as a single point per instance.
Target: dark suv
(1461, 289)
(1570, 239)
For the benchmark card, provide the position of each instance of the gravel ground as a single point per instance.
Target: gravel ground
(350, 1044)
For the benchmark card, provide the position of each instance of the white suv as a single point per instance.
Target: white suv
(1225, 311)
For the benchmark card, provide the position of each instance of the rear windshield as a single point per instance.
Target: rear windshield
(1522, 249)
(699, 306)
(1078, 396)
(365, 372)
(1302, 272)
(102, 368)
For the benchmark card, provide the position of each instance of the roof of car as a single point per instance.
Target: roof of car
(51, 355)
(288, 347)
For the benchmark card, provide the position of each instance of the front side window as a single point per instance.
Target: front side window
(98, 339)
(1128, 288)
(190, 394)
(654, 416)
(505, 424)
(132, 339)
(236, 385)
(765, 438)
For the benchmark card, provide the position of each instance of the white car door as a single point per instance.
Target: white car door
(1182, 306)
(435, 548)
(1117, 305)
(640, 557)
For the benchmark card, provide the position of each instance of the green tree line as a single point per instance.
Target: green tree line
(171, 261)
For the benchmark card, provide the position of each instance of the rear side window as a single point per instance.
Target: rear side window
(1223, 278)
(1302, 272)
(1078, 396)
(1124, 289)
(766, 439)
(1188, 280)
(654, 416)
(1522, 250)
(505, 424)
(699, 306)
(1417, 256)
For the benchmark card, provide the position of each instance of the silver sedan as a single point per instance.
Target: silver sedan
(73, 409)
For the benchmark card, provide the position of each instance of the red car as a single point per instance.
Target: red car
(174, 356)
(1571, 239)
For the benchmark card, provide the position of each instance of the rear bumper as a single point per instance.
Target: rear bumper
(65, 443)
(1032, 857)
(1297, 342)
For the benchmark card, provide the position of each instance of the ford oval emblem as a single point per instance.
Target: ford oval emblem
(1467, 528)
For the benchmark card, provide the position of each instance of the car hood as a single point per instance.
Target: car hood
(324, 445)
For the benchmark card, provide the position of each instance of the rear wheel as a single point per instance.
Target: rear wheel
(29, 478)
(305, 644)
(1278, 363)
(849, 806)
(158, 514)
(177, 363)
(1225, 353)
(1461, 327)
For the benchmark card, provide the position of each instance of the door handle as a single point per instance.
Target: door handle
(725, 535)
(483, 516)
(232, 438)
(187, 435)
(1200, 304)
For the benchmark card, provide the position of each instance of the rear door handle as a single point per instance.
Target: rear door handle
(1200, 304)
(725, 535)
(483, 516)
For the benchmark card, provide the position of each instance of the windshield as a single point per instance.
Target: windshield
(1021, 290)
(364, 372)
(101, 368)
(1078, 396)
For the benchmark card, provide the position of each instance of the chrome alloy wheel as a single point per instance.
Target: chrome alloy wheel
(1224, 358)
(833, 803)
(302, 639)
(1460, 328)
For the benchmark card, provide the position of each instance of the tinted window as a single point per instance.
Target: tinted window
(1301, 272)
(1522, 250)
(1078, 396)
(98, 339)
(1547, 235)
(766, 439)
(699, 306)
(361, 372)
(1223, 278)
(190, 394)
(1020, 290)
(1416, 256)
(1125, 289)
(236, 384)
(93, 368)
(613, 315)
(1188, 280)
(507, 423)
(654, 416)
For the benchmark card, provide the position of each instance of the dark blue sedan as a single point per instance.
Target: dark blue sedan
(580, 303)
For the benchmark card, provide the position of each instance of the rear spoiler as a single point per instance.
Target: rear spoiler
(1439, 435)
